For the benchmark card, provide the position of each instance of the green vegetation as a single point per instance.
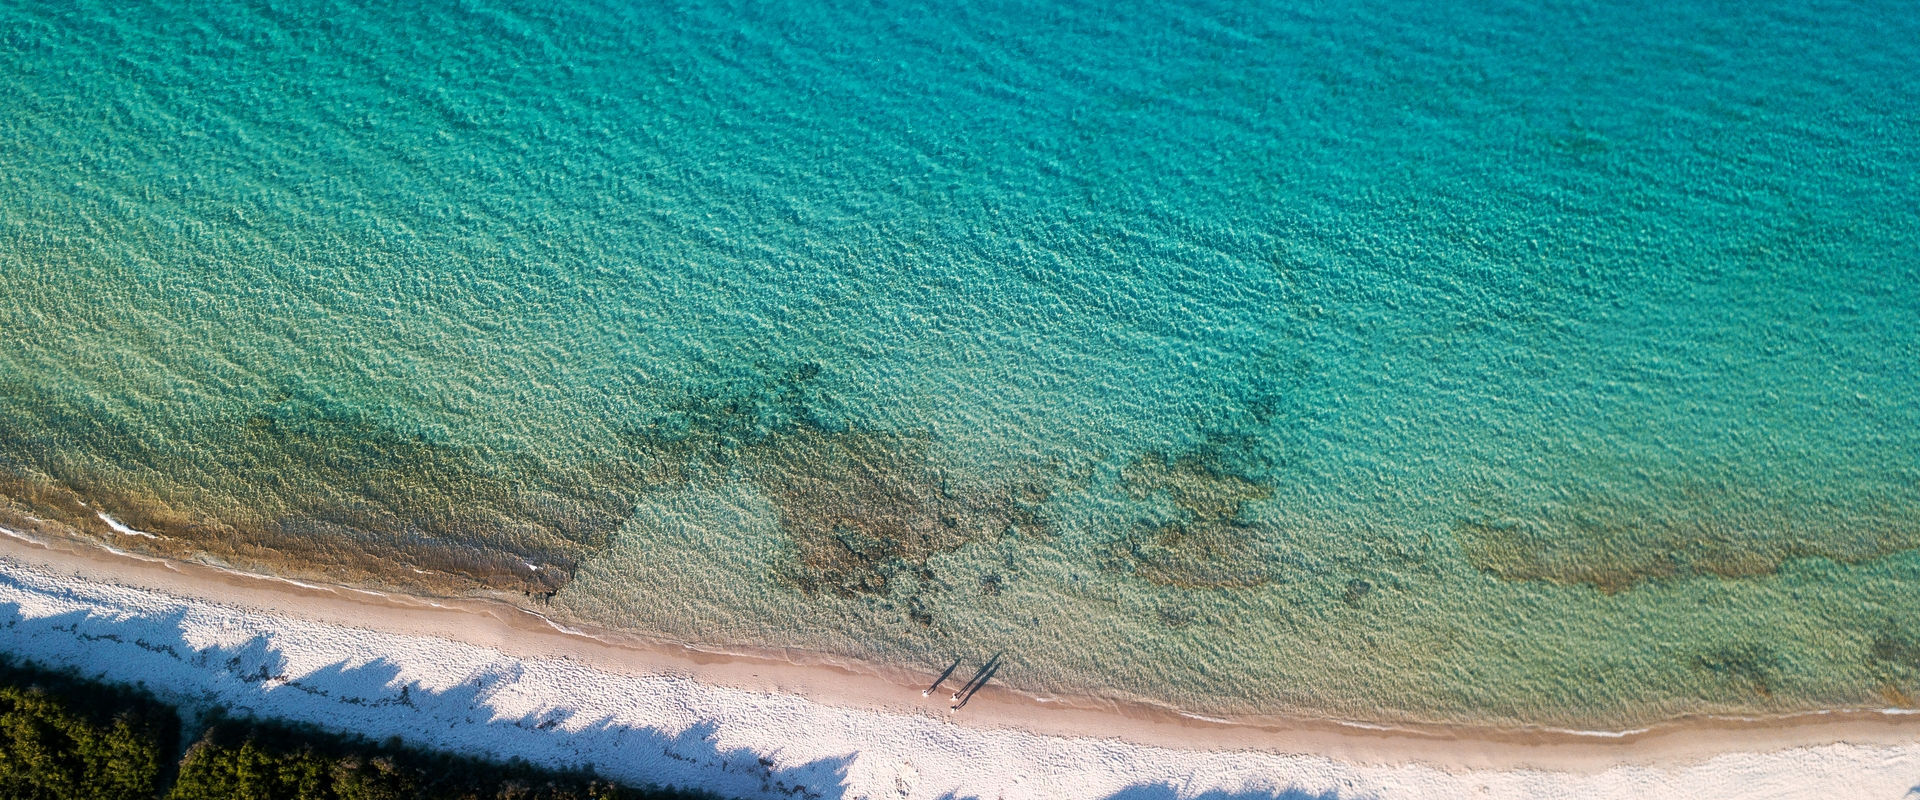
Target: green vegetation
(65, 738)
(252, 759)
(61, 738)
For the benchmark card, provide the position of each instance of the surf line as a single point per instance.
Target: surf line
(121, 528)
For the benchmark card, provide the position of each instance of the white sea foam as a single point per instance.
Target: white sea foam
(121, 527)
(672, 729)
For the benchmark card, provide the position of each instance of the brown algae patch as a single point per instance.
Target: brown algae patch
(1894, 656)
(1207, 519)
(1208, 545)
(1750, 667)
(860, 507)
(1592, 539)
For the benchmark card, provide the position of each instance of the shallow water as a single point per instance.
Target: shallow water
(1507, 362)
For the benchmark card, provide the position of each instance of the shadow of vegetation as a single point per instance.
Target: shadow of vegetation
(248, 675)
(252, 677)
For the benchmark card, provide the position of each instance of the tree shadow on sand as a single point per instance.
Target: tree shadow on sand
(252, 678)
(248, 675)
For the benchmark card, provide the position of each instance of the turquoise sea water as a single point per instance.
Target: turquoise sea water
(1494, 361)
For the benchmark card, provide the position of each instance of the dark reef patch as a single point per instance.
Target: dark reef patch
(1750, 666)
(1177, 615)
(1896, 650)
(860, 507)
(1357, 590)
(1895, 657)
(1208, 544)
(1612, 544)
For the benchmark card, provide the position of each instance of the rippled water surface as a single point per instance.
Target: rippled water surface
(1469, 361)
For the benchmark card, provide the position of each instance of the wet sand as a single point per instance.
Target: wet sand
(522, 634)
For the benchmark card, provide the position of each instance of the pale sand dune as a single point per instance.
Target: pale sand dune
(482, 677)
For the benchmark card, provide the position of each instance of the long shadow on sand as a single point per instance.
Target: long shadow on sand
(248, 675)
(251, 677)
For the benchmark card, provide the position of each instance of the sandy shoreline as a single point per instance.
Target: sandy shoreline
(509, 630)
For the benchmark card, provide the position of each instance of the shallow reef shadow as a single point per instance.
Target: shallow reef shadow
(859, 507)
(1613, 539)
(1208, 544)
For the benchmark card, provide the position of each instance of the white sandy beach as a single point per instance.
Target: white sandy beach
(484, 678)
